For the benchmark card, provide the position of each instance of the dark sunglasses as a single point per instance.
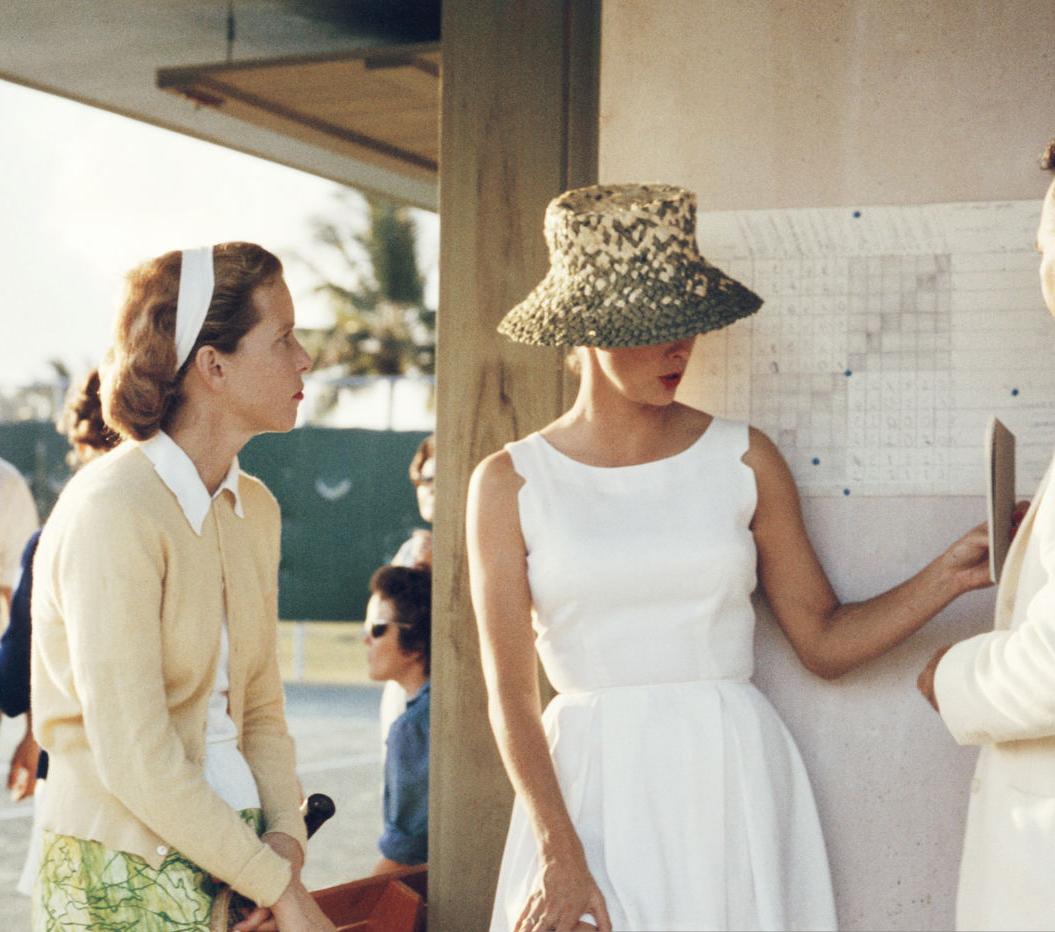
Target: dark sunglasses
(378, 628)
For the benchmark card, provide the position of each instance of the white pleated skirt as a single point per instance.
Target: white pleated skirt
(693, 807)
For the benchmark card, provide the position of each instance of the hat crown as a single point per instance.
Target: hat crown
(625, 270)
(605, 225)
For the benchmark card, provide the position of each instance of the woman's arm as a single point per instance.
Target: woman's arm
(22, 772)
(106, 578)
(502, 602)
(831, 638)
(14, 679)
(997, 686)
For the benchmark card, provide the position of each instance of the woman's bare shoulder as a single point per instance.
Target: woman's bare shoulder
(492, 509)
(495, 478)
(771, 470)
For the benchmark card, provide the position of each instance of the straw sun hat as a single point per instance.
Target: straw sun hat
(625, 271)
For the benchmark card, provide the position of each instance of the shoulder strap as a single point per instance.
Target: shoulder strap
(526, 454)
(733, 436)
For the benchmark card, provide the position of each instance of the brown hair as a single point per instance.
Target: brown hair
(1047, 158)
(409, 589)
(82, 422)
(141, 387)
(426, 451)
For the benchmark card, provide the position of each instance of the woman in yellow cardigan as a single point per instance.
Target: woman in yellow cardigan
(156, 688)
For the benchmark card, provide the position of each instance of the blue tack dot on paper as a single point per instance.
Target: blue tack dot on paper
(816, 461)
(848, 373)
(846, 491)
(1014, 392)
(857, 215)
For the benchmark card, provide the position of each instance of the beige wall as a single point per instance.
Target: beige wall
(777, 103)
(757, 104)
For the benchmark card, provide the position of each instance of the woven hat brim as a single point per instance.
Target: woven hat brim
(566, 311)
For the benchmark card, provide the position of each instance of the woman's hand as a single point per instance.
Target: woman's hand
(263, 919)
(297, 911)
(22, 775)
(967, 559)
(565, 892)
(260, 919)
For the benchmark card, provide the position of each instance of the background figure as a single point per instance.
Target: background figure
(18, 519)
(155, 681)
(397, 632)
(89, 437)
(997, 691)
(416, 550)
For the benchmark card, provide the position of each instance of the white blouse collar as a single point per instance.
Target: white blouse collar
(180, 475)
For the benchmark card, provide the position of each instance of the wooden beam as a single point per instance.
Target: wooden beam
(518, 126)
(378, 105)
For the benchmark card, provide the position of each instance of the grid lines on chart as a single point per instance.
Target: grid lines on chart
(875, 366)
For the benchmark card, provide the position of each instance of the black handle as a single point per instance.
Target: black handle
(317, 808)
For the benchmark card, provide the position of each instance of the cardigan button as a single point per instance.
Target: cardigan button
(163, 850)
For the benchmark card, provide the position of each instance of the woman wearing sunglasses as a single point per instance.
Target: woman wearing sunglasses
(659, 790)
(155, 683)
(397, 632)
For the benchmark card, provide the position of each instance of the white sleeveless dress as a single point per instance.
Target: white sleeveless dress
(686, 789)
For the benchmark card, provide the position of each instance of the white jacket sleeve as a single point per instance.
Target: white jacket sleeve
(1000, 686)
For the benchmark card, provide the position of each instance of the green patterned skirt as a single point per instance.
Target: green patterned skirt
(84, 885)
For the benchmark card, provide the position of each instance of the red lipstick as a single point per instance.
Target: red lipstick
(671, 379)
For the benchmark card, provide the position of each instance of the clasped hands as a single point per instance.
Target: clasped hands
(296, 910)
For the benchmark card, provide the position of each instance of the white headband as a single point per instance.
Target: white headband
(195, 294)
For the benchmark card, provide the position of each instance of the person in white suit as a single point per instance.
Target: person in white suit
(997, 690)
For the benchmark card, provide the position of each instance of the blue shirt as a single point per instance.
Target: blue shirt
(406, 804)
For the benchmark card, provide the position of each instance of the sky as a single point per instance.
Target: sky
(86, 195)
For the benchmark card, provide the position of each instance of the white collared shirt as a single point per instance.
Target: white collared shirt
(226, 770)
(180, 475)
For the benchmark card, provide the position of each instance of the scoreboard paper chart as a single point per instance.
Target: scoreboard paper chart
(888, 337)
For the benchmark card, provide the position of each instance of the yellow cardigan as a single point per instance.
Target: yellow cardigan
(126, 631)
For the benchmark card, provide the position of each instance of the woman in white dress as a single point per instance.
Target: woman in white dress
(659, 789)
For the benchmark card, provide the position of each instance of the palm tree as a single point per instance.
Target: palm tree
(381, 324)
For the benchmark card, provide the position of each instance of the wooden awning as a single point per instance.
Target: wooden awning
(377, 105)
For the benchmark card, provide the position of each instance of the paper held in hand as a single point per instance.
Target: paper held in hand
(1000, 492)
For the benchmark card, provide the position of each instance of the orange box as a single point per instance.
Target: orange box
(392, 902)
